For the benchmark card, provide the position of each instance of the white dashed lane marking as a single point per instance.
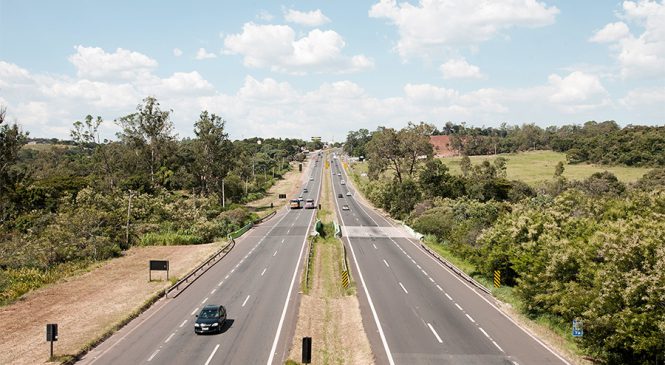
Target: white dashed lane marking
(169, 338)
(386, 262)
(434, 332)
(245, 302)
(195, 310)
(183, 323)
(264, 271)
(403, 288)
(469, 317)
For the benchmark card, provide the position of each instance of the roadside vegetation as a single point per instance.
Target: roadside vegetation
(67, 204)
(588, 247)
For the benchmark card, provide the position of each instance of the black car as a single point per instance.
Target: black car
(210, 319)
(340, 195)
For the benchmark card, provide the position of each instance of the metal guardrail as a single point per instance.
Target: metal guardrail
(456, 270)
(202, 268)
(261, 220)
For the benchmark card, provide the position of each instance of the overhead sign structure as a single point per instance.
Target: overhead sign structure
(158, 265)
(578, 329)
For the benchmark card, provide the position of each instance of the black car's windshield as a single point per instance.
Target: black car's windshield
(208, 313)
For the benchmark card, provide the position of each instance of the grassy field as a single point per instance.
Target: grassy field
(536, 166)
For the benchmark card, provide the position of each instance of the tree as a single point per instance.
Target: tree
(12, 138)
(399, 151)
(465, 165)
(214, 153)
(149, 133)
(86, 135)
(558, 170)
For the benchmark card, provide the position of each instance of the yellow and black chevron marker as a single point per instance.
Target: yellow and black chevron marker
(497, 278)
(345, 279)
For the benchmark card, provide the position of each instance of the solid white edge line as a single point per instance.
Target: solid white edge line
(245, 302)
(403, 288)
(293, 280)
(211, 355)
(434, 332)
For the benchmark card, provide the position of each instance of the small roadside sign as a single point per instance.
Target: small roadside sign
(578, 330)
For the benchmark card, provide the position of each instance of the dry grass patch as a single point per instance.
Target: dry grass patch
(87, 306)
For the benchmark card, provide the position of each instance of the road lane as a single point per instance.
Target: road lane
(252, 282)
(427, 313)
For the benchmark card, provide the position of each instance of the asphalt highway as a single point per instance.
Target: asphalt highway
(415, 310)
(257, 282)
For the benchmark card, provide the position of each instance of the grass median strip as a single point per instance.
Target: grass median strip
(329, 313)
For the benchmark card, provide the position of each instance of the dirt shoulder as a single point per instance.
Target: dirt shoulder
(330, 313)
(289, 185)
(86, 306)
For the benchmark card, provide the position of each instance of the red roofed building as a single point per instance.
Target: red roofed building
(443, 146)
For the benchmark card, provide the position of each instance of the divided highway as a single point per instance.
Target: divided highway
(415, 310)
(257, 282)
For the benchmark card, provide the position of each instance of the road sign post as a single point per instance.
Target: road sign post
(306, 350)
(578, 329)
(158, 265)
(52, 335)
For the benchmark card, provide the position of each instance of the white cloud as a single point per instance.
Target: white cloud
(264, 15)
(460, 69)
(611, 32)
(432, 24)
(642, 55)
(202, 54)
(645, 97)
(308, 18)
(95, 63)
(276, 47)
(177, 52)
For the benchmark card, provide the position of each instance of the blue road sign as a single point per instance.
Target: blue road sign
(578, 330)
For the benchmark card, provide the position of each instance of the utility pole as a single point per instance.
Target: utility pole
(223, 197)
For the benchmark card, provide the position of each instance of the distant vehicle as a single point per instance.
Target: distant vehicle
(345, 207)
(210, 319)
(295, 203)
(339, 174)
(348, 193)
(343, 182)
(311, 178)
(304, 190)
(340, 195)
(309, 204)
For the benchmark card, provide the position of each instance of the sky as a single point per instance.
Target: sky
(323, 68)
